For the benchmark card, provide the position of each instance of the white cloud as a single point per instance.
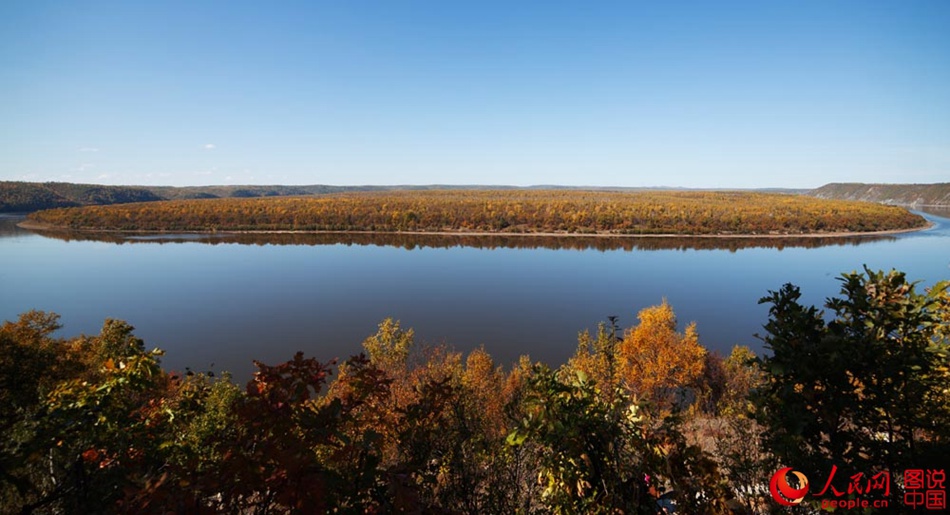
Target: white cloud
(88, 149)
(209, 146)
(83, 167)
(103, 176)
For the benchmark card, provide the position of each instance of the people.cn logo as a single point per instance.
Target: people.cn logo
(783, 492)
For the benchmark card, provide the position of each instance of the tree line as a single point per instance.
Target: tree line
(503, 211)
(638, 420)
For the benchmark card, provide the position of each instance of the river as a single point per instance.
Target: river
(214, 303)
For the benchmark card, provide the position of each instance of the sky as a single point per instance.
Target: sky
(712, 94)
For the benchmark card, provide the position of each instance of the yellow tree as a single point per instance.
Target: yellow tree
(483, 385)
(389, 347)
(658, 364)
(596, 357)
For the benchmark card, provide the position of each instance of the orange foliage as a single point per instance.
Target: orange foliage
(656, 362)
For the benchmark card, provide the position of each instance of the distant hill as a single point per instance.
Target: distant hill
(200, 192)
(33, 196)
(16, 196)
(895, 194)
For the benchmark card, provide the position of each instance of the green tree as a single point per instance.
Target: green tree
(866, 390)
(591, 455)
(90, 430)
(597, 357)
(31, 362)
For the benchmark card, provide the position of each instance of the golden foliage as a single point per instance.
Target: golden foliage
(657, 363)
(742, 376)
(499, 211)
(389, 347)
(596, 357)
(483, 383)
(652, 362)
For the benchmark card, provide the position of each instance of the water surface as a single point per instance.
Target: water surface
(215, 302)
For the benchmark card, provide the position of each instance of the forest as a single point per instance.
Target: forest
(22, 196)
(499, 211)
(16, 196)
(639, 420)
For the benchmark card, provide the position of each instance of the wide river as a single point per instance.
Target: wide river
(218, 304)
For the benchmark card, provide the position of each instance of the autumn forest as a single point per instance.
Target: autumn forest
(516, 211)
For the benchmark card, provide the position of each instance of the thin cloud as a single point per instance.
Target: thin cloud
(103, 176)
(88, 149)
(209, 146)
(83, 167)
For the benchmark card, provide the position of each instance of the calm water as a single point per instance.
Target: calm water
(219, 304)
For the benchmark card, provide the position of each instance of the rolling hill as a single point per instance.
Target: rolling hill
(921, 195)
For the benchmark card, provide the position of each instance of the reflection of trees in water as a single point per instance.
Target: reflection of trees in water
(8, 226)
(483, 241)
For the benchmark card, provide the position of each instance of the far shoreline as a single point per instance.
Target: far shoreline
(37, 226)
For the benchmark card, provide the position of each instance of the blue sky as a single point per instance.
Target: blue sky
(687, 94)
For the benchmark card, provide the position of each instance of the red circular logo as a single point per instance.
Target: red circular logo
(783, 492)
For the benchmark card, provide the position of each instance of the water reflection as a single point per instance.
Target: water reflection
(482, 241)
(8, 225)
